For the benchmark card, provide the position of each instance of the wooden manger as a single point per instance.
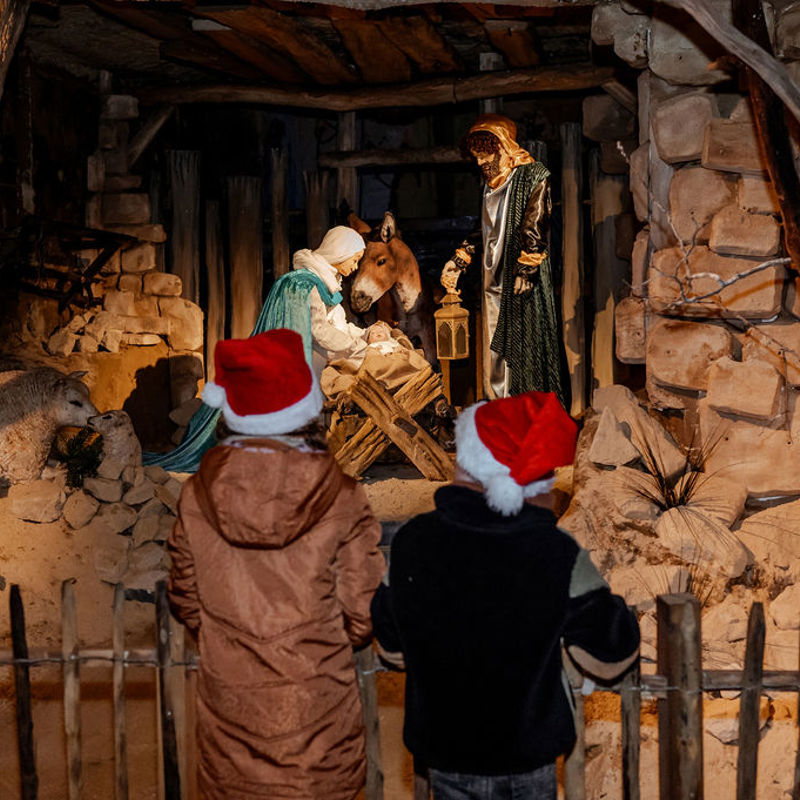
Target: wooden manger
(356, 444)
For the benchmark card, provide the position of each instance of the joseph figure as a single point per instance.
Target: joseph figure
(520, 336)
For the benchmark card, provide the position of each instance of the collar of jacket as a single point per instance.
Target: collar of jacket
(467, 508)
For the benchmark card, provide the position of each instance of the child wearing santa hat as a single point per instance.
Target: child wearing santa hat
(482, 592)
(274, 561)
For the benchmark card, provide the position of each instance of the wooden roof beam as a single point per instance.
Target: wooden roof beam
(437, 91)
(421, 42)
(514, 40)
(286, 35)
(376, 57)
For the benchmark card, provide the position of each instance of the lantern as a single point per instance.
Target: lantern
(452, 329)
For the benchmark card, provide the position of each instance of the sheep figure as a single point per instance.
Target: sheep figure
(120, 443)
(34, 404)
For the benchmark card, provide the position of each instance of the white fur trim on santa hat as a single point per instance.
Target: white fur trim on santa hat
(503, 493)
(214, 395)
(286, 420)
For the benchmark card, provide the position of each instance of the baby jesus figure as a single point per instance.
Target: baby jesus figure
(390, 358)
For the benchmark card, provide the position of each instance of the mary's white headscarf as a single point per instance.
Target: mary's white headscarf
(338, 244)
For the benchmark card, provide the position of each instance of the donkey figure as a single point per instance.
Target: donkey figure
(388, 274)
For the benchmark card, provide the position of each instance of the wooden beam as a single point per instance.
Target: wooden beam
(364, 40)
(251, 51)
(513, 39)
(433, 92)
(421, 43)
(245, 255)
(287, 35)
(15, 13)
(622, 94)
(347, 177)
(184, 240)
(386, 158)
(525, 6)
(148, 131)
(198, 55)
(770, 119)
(279, 180)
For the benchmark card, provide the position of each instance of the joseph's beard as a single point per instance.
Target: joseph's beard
(490, 171)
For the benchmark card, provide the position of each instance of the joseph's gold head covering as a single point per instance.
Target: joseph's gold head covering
(505, 131)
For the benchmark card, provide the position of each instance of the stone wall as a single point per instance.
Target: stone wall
(720, 353)
(143, 346)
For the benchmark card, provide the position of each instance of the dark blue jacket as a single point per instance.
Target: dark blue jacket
(479, 605)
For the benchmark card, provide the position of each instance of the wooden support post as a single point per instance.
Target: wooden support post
(749, 706)
(24, 138)
(575, 762)
(680, 715)
(366, 663)
(796, 788)
(491, 62)
(347, 177)
(631, 702)
(148, 131)
(246, 253)
(572, 308)
(279, 160)
(172, 781)
(189, 659)
(609, 195)
(72, 687)
(29, 780)
(176, 679)
(215, 272)
(120, 716)
(318, 210)
(184, 238)
(15, 14)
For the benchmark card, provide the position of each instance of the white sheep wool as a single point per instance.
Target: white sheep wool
(264, 386)
(513, 445)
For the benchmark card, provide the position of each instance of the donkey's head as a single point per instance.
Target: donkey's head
(387, 262)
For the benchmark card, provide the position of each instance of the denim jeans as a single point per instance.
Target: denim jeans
(537, 785)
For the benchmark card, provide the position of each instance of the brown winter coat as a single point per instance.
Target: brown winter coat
(274, 563)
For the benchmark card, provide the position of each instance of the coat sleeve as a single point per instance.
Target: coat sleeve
(601, 633)
(359, 567)
(182, 586)
(535, 231)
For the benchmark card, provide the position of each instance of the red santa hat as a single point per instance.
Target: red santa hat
(513, 445)
(263, 384)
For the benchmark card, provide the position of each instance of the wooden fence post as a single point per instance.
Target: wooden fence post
(749, 705)
(347, 177)
(279, 159)
(680, 715)
(172, 780)
(29, 780)
(572, 306)
(215, 270)
(184, 238)
(120, 732)
(422, 786)
(631, 701)
(575, 762)
(72, 687)
(317, 183)
(246, 257)
(368, 687)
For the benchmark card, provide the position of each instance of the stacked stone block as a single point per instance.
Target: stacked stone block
(722, 350)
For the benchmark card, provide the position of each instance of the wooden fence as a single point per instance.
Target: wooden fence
(679, 687)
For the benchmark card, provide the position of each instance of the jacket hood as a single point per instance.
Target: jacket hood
(264, 493)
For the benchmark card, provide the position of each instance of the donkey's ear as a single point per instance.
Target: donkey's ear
(388, 227)
(357, 224)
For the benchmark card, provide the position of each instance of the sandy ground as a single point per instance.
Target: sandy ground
(38, 557)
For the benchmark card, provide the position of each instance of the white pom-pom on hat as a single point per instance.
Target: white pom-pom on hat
(214, 395)
(504, 495)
